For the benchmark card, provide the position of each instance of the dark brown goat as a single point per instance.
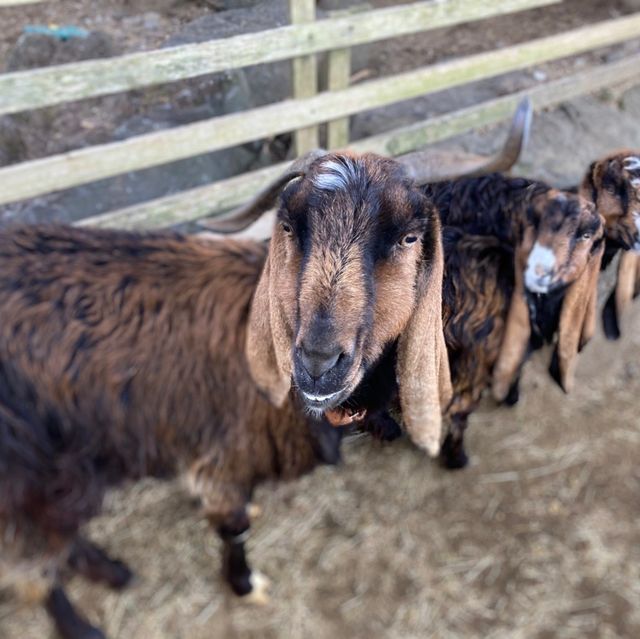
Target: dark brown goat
(520, 259)
(613, 185)
(127, 355)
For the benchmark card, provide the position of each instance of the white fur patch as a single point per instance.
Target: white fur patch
(635, 183)
(540, 266)
(636, 219)
(336, 176)
(631, 163)
(260, 585)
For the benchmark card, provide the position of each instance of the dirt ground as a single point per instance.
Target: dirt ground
(538, 539)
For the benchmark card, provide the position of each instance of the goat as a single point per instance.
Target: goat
(612, 183)
(126, 355)
(521, 262)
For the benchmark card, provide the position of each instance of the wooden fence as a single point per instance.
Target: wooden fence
(307, 109)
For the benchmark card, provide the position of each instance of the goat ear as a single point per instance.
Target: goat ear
(422, 367)
(577, 321)
(625, 290)
(517, 330)
(269, 337)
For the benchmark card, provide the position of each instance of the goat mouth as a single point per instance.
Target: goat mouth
(322, 402)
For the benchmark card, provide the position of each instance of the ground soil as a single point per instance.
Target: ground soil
(538, 539)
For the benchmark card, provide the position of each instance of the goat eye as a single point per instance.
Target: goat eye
(409, 239)
(286, 228)
(586, 235)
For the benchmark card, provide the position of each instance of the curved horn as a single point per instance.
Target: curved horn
(243, 216)
(437, 166)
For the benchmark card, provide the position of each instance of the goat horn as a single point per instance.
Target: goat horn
(430, 166)
(240, 218)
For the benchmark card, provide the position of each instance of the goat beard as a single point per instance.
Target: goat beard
(342, 416)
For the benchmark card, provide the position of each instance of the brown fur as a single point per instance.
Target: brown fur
(613, 184)
(490, 226)
(125, 355)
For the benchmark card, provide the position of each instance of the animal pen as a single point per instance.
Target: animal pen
(301, 41)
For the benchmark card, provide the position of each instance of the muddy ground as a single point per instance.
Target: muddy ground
(538, 538)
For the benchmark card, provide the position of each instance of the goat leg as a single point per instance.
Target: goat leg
(513, 396)
(453, 454)
(94, 564)
(251, 585)
(382, 426)
(69, 624)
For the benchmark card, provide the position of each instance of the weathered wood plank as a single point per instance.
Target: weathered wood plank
(12, 3)
(305, 75)
(34, 89)
(223, 195)
(86, 165)
(339, 71)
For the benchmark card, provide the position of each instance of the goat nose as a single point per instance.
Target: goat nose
(317, 361)
(542, 269)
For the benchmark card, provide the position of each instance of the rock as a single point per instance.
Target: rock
(12, 146)
(34, 50)
(267, 82)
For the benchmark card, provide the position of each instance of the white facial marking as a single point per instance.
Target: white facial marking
(337, 176)
(631, 163)
(540, 266)
(320, 398)
(635, 183)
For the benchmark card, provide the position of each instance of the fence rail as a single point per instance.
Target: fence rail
(11, 3)
(53, 85)
(62, 171)
(199, 202)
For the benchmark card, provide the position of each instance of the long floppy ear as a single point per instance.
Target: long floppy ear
(577, 322)
(269, 337)
(422, 367)
(623, 293)
(517, 330)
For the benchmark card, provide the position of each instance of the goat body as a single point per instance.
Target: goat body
(484, 221)
(122, 356)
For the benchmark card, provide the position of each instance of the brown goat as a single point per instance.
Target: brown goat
(613, 185)
(128, 355)
(521, 263)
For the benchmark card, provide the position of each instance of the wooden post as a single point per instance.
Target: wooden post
(305, 75)
(339, 70)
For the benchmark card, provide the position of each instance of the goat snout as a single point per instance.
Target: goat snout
(540, 269)
(321, 366)
(319, 359)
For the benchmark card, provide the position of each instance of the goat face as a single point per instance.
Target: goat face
(355, 263)
(352, 229)
(564, 231)
(613, 185)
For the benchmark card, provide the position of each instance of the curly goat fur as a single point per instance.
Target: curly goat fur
(490, 225)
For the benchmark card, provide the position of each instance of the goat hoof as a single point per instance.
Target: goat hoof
(259, 593)
(95, 564)
(69, 624)
(254, 511)
(513, 396)
(121, 576)
(453, 455)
